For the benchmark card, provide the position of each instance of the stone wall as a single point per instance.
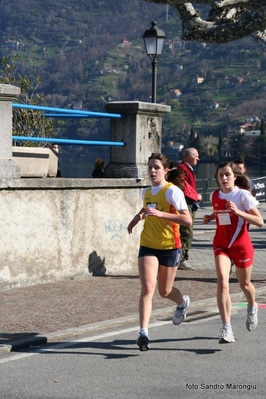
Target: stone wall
(61, 228)
(58, 228)
(35, 161)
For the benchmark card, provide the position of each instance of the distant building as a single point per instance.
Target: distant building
(239, 80)
(125, 43)
(244, 128)
(73, 42)
(177, 44)
(77, 105)
(11, 44)
(252, 133)
(214, 105)
(175, 93)
(199, 80)
(174, 44)
(251, 119)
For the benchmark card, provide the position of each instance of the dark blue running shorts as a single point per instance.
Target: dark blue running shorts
(166, 257)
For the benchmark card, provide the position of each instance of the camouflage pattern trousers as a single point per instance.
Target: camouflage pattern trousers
(186, 234)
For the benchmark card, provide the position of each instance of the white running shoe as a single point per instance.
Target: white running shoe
(252, 319)
(226, 337)
(185, 266)
(181, 312)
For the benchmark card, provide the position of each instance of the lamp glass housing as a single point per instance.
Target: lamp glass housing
(154, 45)
(154, 40)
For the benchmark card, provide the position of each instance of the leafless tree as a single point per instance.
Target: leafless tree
(227, 20)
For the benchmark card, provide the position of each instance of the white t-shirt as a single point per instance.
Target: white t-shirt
(174, 195)
(242, 198)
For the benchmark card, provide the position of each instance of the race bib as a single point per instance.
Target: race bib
(224, 219)
(151, 206)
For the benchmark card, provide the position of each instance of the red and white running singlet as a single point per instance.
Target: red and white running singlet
(231, 230)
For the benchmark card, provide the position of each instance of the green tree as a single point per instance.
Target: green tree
(220, 142)
(27, 122)
(192, 135)
(198, 144)
(192, 138)
(262, 127)
(238, 146)
(260, 145)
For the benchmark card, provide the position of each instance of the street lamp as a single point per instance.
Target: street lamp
(154, 40)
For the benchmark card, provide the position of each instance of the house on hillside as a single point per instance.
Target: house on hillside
(245, 127)
(73, 42)
(199, 80)
(252, 133)
(125, 43)
(214, 105)
(251, 136)
(11, 44)
(175, 93)
(252, 119)
(174, 146)
(77, 105)
(174, 44)
(177, 43)
(239, 80)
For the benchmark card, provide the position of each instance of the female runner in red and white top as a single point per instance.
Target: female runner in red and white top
(234, 207)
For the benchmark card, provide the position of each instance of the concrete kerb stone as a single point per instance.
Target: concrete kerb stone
(163, 314)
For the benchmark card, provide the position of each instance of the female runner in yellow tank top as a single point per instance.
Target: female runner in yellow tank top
(164, 209)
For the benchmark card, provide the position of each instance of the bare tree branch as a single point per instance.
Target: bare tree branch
(227, 20)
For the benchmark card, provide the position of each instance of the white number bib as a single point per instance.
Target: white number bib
(224, 218)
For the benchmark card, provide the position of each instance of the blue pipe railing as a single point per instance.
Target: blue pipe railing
(68, 113)
(73, 112)
(68, 141)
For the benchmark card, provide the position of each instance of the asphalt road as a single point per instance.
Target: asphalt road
(184, 361)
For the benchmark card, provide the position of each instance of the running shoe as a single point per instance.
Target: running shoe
(185, 266)
(143, 342)
(181, 312)
(252, 319)
(226, 337)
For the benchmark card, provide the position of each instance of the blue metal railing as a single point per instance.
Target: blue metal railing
(67, 113)
(72, 112)
(68, 141)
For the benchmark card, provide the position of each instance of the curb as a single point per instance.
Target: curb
(57, 336)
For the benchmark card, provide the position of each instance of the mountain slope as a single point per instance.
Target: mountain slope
(90, 52)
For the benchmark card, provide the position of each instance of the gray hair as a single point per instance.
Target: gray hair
(188, 151)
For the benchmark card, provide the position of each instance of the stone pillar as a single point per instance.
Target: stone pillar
(141, 130)
(8, 168)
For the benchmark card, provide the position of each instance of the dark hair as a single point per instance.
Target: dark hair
(241, 180)
(99, 163)
(240, 161)
(161, 157)
(177, 177)
(173, 164)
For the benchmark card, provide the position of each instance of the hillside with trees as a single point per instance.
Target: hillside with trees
(90, 52)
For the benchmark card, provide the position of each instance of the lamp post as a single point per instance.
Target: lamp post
(154, 40)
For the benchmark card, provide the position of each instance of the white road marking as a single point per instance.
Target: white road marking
(52, 348)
